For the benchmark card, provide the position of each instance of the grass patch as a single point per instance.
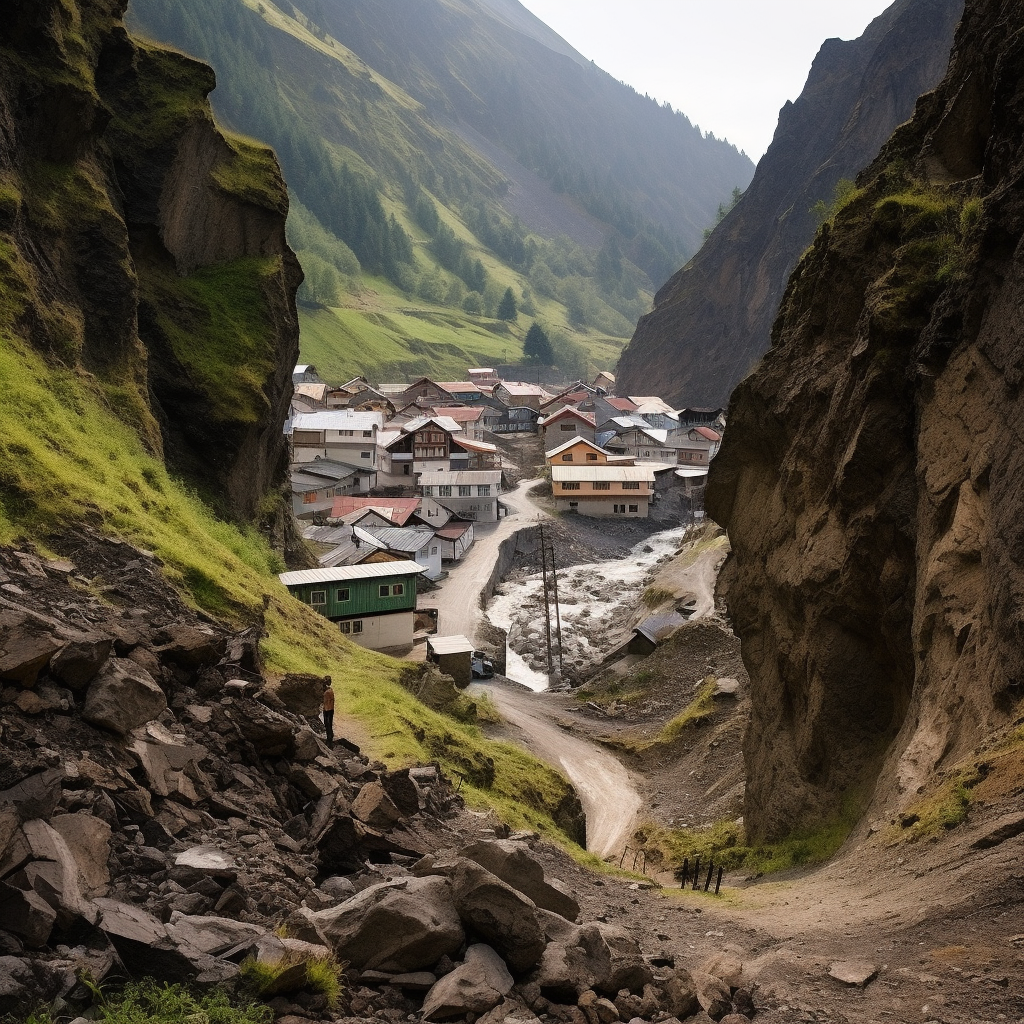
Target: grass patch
(655, 595)
(323, 975)
(252, 174)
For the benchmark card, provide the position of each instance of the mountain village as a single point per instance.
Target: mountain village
(392, 482)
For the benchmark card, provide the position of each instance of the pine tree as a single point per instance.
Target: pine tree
(507, 307)
(537, 347)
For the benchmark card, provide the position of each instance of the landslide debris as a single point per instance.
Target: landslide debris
(870, 477)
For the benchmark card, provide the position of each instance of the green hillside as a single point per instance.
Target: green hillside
(436, 158)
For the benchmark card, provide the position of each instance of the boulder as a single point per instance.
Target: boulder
(855, 973)
(122, 697)
(724, 966)
(513, 864)
(34, 797)
(400, 926)
(188, 647)
(271, 733)
(498, 913)
(475, 986)
(713, 995)
(213, 935)
(679, 994)
(599, 956)
(208, 862)
(402, 788)
(303, 694)
(597, 1009)
(375, 807)
(170, 762)
(27, 984)
(88, 839)
(142, 942)
(27, 915)
(26, 646)
(77, 664)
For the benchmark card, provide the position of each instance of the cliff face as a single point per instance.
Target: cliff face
(871, 476)
(144, 247)
(712, 320)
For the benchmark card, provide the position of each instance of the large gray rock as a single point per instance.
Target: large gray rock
(375, 807)
(26, 984)
(475, 986)
(189, 647)
(398, 926)
(36, 796)
(494, 910)
(142, 942)
(303, 694)
(679, 994)
(713, 995)
(208, 860)
(88, 839)
(123, 697)
(170, 762)
(26, 646)
(78, 663)
(212, 935)
(598, 956)
(512, 863)
(27, 915)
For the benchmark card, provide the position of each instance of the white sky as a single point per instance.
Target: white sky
(729, 65)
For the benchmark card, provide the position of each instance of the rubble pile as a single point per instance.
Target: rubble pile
(167, 812)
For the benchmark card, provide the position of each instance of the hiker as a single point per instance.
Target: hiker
(329, 714)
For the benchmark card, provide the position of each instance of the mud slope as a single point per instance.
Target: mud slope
(871, 477)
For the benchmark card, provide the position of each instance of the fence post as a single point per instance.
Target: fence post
(707, 881)
(696, 874)
(718, 884)
(686, 872)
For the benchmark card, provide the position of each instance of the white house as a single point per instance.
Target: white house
(338, 434)
(471, 494)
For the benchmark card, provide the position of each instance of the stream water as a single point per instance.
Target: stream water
(592, 599)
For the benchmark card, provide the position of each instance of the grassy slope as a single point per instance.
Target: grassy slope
(65, 458)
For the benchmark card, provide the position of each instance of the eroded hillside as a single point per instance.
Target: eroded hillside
(870, 479)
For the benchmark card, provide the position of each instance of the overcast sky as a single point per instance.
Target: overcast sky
(729, 65)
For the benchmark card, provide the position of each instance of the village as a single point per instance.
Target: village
(398, 486)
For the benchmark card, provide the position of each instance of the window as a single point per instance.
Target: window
(631, 485)
(357, 626)
(406, 471)
(634, 508)
(567, 458)
(444, 491)
(318, 597)
(591, 457)
(647, 455)
(345, 627)
(465, 491)
(367, 433)
(571, 485)
(397, 589)
(574, 504)
(602, 485)
(309, 498)
(433, 549)
(483, 490)
(619, 508)
(342, 595)
(383, 590)
(364, 455)
(567, 426)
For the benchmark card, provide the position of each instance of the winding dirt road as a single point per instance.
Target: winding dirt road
(609, 798)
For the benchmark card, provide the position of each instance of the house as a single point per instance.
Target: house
(469, 494)
(347, 545)
(470, 419)
(358, 396)
(453, 655)
(603, 489)
(337, 434)
(700, 417)
(698, 447)
(431, 513)
(434, 443)
(456, 538)
(396, 511)
(465, 390)
(483, 376)
(373, 604)
(520, 419)
(605, 408)
(655, 412)
(305, 373)
(416, 543)
(425, 393)
(309, 397)
(515, 394)
(643, 442)
(579, 451)
(605, 382)
(316, 484)
(565, 424)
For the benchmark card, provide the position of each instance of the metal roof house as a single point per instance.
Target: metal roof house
(373, 603)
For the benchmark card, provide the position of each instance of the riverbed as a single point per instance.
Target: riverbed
(595, 603)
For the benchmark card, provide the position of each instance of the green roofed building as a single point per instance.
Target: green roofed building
(373, 604)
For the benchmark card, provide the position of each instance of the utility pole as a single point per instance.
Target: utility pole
(547, 599)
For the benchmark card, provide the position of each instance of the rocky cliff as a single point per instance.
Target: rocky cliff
(871, 477)
(143, 247)
(712, 320)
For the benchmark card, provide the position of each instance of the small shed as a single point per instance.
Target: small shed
(453, 655)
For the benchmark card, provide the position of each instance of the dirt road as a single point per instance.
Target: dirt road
(458, 598)
(605, 788)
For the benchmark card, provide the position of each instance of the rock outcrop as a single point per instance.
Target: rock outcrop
(712, 320)
(871, 477)
(145, 247)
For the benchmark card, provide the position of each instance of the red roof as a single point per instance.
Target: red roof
(460, 413)
(453, 531)
(587, 417)
(398, 510)
(707, 432)
(622, 404)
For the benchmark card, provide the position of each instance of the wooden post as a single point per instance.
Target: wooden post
(718, 884)
(686, 872)
(707, 881)
(696, 874)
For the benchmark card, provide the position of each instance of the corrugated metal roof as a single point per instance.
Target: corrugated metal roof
(398, 539)
(460, 476)
(476, 446)
(523, 390)
(455, 644)
(351, 572)
(337, 419)
(310, 390)
(660, 627)
(711, 435)
(612, 473)
(691, 473)
(397, 510)
(444, 422)
(454, 531)
(461, 413)
(651, 403)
